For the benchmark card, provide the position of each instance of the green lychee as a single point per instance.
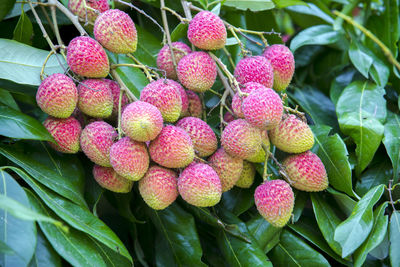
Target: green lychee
(247, 176)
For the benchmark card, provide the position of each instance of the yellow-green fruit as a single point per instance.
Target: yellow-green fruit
(260, 156)
(292, 135)
(109, 179)
(247, 176)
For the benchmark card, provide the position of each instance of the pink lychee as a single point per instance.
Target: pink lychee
(164, 59)
(255, 69)
(95, 98)
(66, 133)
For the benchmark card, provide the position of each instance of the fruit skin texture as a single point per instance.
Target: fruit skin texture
(95, 98)
(107, 178)
(141, 121)
(195, 106)
(129, 158)
(115, 91)
(247, 176)
(240, 139)
(275, 201)
(86, 57)
(237, 101)
(228, 168)
(164, 59)
(77, 7)
(65, 132)
(306, 172)
(173, 148)
(116, 31)
(207, 31)
(255, 69)
(165, 95)
(204, 140)
(260, 156)
(96, 141)
(185, 101)
(57, 95)
(263, 108)
(197, 71)
(292, 135)
(282, 61)
(159, 187)
(199, 185)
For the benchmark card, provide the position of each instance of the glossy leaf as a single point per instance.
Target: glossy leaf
(7, 99)
(286, 3)
(375, 175)
(352, 232)
(24, 30)
(345, 202)
(309, 9)
(267, 236)
(252, 5)
(394, 237)
(360, 59)
(5, 7)
(300, 202)
(391, 142)
(179, 32)
(238, 200)
(45, 255)
(148, 47)
(320, 34)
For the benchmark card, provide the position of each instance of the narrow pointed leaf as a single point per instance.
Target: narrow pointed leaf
(391, 142)
(45, 255)
(394, 237)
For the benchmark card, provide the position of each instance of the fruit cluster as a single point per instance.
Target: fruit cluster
(161, 141)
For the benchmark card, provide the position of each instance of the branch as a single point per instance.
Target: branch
(166, 29)
(73, 18)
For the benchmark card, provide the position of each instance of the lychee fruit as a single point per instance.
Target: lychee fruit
(116, 31)
(207, 31)
(107, 178)
(115, 91)
(77, 7)
(275, 201)
(96, 141)
(164, 59)
(282, 62)
(260, 156)
(199, 185)
(240, 139)
(66, 133)
(255, 69)
(197, 71)
(166, 96)
(141, 121)
(95, 98)
(263, 108)
(159, 187)
(173, 148)
(185, 101)
(246, 178)
(195, 105)
(86, 57)
(57, 95)
(204, 140)
(237, 100)
(228, 117)
(227, 167)
(292, 135)
(306, 172)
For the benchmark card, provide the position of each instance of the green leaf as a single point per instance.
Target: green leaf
(50, 170)
(360, 59)
(238, 200)
(24, 30)
(394, 236)
(293, 251)
(376, 236)
(148, 47)
(76, 216)
(16, 124)
(252, 5)
(301, 199)
(18, 235)
(333, 152)
(320, 34)
(309, 9)
(266, 235)
(179, 32)
(45, 255)
(345, 202)
(361, 110)
(286, 3)
(7, 99)
(375, 175)
(177, 228)
(391, 142)
(5, 7)
(352, 232)
(22, 64)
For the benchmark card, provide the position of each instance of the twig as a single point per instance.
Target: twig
(229, 57)
(143, 67)
(225, 82)
(221, 110)
(56, 30)
(119, 113)
(166, 29)
(265, 172)
(243, 50)
(73, 18)
(390, 195)
(118, 79)
(182, 19)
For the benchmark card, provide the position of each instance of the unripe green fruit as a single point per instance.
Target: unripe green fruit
(247, 176)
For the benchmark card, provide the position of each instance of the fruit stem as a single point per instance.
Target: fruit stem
(282, 171)
(295, 111)
(56, 30)
(143, 67)
(182, 19)
(167, 34)
(73, 18)
(118, 79)
(229, 57)
(221, 110)
(242, 48)
(119, 114)
(265, 172)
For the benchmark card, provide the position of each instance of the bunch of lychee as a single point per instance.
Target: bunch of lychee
(161, 140)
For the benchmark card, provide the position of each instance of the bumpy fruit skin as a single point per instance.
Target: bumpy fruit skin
(263, 108)
(96, 141)
(95, 98)
(159, 187)
(207, 31)
(260, 156)
(65, 132)
(141, 121)
(237, 101)
(306, 172)
(107, 178)
(86, 57)
(165, 95)
(240, 139)
(195, 106)
(185, 101)
(116, 31)
(115, 91)
(227, 167)
(204, 140)
(255, 69)
(247, 176)
(197, 71)
(57, 95)
(129, 158)
(275, 201)
(164, 59)
(282, 62)
(292, 135)
(77, 7)
(199, 185)
(173, 148)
